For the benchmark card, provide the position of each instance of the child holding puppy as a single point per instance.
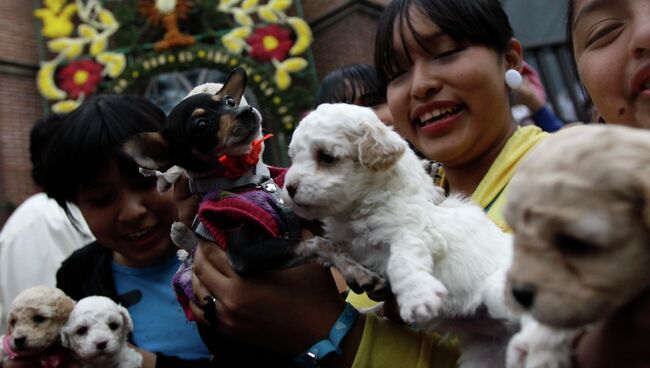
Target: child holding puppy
(444, 63)
(133, 258)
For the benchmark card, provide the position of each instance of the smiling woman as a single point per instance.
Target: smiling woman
(613, 35)
(133, 259)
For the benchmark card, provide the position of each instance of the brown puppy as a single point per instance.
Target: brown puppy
(579, 206)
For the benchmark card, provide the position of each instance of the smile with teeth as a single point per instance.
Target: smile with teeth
(140, 234)
(438, 114)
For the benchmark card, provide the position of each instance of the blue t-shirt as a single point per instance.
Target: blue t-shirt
(159, 324)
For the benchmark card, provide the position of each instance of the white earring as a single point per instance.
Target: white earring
(513, 79)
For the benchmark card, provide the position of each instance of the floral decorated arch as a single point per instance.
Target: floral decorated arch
(96, 46)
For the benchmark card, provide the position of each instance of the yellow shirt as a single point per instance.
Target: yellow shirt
(387, 344)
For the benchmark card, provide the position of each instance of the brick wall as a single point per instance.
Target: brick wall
(20, 103)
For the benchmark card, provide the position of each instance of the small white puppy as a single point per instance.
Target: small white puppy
(97, 331)
(442, 257)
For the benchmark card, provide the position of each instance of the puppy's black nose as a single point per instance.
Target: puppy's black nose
(20, 342)
(291, 189)
(524, 295)
(101, 345)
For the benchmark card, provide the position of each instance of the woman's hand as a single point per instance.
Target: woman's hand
(286, 310)
(621, 340)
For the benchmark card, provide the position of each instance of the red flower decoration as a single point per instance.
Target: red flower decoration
(79, 77)
(270, 42)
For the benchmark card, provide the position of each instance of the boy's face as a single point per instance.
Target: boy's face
(126, 214)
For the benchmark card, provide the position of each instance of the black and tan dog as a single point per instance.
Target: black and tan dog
(218, 142)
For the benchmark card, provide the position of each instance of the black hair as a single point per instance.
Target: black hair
(476, 22)
(570, 12)
(39, 137)
(90, 136)
(351, 84)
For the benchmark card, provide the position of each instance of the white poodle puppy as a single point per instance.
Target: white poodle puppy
(442, 257)
(35, 319)
(97, 331)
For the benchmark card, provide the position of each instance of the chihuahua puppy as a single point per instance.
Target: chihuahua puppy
(218, 142)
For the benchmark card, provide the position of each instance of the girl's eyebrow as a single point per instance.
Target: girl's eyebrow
(591, 7)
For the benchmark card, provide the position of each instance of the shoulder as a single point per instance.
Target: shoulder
(86, 257)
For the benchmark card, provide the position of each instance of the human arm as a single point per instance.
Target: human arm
(542, 116)
(292, 309)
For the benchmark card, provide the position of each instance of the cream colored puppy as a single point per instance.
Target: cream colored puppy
(35, 319)
(579, 206)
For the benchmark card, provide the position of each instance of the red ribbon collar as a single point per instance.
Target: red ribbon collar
(236, 166)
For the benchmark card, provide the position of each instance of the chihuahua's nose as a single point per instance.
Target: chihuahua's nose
(291, 189)
(524, 294)
(101, 345)
(20, 342)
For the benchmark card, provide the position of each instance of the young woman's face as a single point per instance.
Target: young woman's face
(126, 214)
(450, 101)
(612, 47)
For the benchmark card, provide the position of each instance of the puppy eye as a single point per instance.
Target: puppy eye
(82, 330)
(230, 101)
(12, 323)
(38, 318)
(573, 246)
(326, 158)
(113, 326)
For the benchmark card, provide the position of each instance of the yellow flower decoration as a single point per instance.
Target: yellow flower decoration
(280, 5)
(114, 63)
(283, 70)
(304, 36)
(96, 26)
(45, 82)
(66, 106)
(56, 18)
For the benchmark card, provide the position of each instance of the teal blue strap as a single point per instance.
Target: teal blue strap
(310, 358)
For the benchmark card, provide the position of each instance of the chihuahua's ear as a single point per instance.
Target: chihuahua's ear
(235, 84)
(380, 147)
(149, 151)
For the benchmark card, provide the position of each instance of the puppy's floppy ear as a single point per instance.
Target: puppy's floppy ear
(64, 307)
(235, 84)
(126, 318)
(149, 150)
(380, 147)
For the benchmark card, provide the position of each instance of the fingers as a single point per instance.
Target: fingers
(186, 203)
(210, 253)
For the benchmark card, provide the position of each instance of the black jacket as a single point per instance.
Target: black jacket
(88, 272)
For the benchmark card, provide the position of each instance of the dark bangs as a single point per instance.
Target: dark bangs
(90, 136)
(351, 83)
(476, 22)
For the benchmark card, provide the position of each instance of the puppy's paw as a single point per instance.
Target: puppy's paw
(183, 237)
(540, 346)
(361, 279)
(418, 306)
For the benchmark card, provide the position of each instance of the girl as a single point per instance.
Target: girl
(133, 258)
(357, 84)
(444, 62)
(614, 36)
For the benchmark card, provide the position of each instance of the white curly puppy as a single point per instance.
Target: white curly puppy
(97, 331)
(579, 207)
(443, 258)
(35, 319)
